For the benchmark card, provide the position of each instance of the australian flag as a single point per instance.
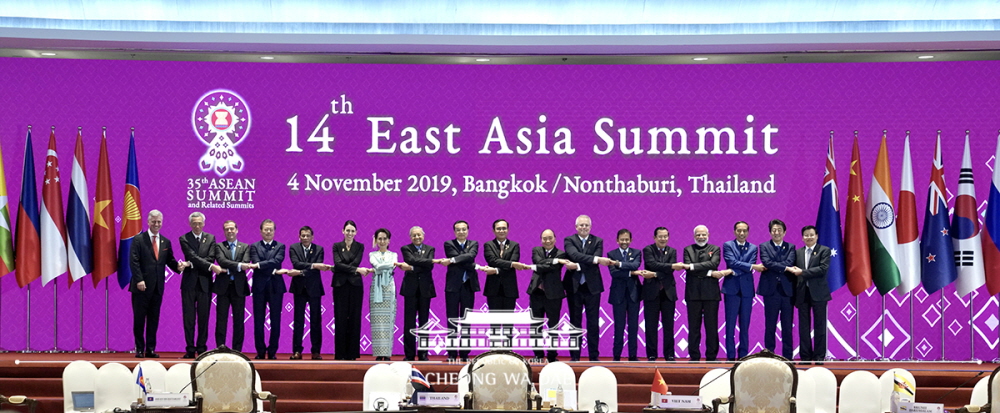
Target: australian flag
(936, 249)
(828, 223)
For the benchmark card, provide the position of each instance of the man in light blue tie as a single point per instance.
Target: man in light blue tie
(230, 287)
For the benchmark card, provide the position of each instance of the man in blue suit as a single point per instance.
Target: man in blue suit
(624, 295)
(777, 287)
(268, 289)
(737, 288)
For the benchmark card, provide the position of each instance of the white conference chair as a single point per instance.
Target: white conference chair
(383, 379)
(554, 375)
(886, 381)
(715, 384)
(805, 392)
(155, 374)
(115, 388)
(597, 384)
(826, 389)
(860, 393)
(178, 379)
(981, 393)
(463, 381)
(405, 370)
(78, 376)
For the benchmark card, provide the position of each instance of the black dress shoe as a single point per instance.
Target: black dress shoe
(650, 358)
(574, 359)
(633, 359)
(425, 358)
(671, 358)
(553, 359)
(258, 357)
(272, 357)
(595, 358)
(139, 355)
(152, 355)
(615, 359)
(407, 358)
(296, 356)
(188, 355)
(317, 356)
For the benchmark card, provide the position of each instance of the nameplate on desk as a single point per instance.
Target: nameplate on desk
(438, 399)
(680, 402)
(167, 399)
(920, 407)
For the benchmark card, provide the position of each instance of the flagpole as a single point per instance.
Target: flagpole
(80, 350)
(27, 336)
(941, 306)
(1, 317)
(857, 331)
(972, 334)
(107, 348)
(55, 320)
(913, 356)
(881, 338)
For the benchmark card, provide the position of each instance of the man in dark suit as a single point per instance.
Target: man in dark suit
(307, 288)
(585, 285)
(461, 281)
(624, 295)
(737, 288)
(659, 293)
(777, 287)
(701, 293)
(149, 257)
(417, 290)
(504, 255)
(196, 284)
(545, 291)
(231, 287)
(268, 289)
(811, 295)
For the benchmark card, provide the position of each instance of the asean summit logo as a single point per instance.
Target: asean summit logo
(221, 119)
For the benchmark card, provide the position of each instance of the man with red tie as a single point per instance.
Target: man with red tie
(148, 258)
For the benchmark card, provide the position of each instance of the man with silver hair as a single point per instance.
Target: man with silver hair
(196, 284)
(149, 256)
(417, 290)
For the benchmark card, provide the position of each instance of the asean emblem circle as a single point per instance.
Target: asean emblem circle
(882, 215)
(224, 113)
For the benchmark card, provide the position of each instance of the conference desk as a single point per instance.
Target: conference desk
(676, 410)
(141, 408)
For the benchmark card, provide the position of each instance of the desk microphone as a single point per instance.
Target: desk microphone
(199, 375)
(960, 385)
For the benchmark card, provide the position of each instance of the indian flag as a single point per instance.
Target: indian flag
(882, 226)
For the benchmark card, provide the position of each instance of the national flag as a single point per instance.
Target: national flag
(28, 250)
(937, 255)
(828, 223)
(78, 217)
(105, 254)
(882, 243)
(965, 231)
(906, 228)
(131, 215)
(903, 386)
(859, 269)
(659, 385)
(140, 379)
(419, 382)
(52, 218)
(991, 232)
(6, 238)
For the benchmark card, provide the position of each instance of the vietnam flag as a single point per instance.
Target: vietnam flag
(859, 267)
(659, 385)
(105, 254)
(28, 251)
(131, 215)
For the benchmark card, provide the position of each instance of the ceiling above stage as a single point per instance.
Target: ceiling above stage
(504, 31)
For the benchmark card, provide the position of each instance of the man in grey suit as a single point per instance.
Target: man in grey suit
(811, 295)
(196, 284)
(231, 288)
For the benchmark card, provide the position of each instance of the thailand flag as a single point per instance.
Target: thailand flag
(965, 231)
(937, 255)
(828, 223)
(78, 217)
(991, 245)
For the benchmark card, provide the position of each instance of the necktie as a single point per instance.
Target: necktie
(465, 274)
(583, 277)
(232, 251)
(809, 252)
(156, 247)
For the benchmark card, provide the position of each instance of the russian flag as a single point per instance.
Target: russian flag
(131, 216)
(991, 246)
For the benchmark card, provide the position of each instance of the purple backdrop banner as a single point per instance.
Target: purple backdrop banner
(395, 146)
